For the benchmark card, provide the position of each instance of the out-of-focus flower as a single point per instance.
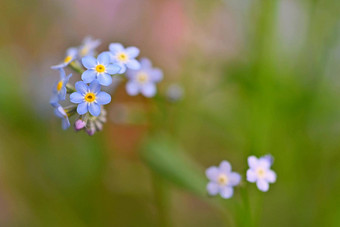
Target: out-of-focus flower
(59, 89)
(99, 69)
(222, 180)
(61, 113)
(174, 93)
(95, 124)
(259, 171)
(88, 47)
(89, 98)
(71, 55)
(124, 57)
(144, 79)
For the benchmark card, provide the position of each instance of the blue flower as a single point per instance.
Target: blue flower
(143, 80)
(89, 98)
(71, 55)
(99, 69)
(260, 172)
(124, 57)
(222, 180)
(61, 113)
(59, 88)
(88, 47)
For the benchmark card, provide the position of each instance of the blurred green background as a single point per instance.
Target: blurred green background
(259, 76)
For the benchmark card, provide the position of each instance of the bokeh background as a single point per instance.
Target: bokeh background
(258, 77)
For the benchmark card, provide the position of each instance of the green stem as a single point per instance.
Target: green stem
(75, 66)
(161, 193)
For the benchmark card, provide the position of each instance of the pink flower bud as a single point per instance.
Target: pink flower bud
(79, 124)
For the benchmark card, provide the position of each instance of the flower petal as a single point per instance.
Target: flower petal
(104, 79)
(94, 86)
(148, 90)
(82, 108)
(212, 173)
(104, 58)
(89, 62)
(115, 47)
(132, 51)
(225, 167)
(234, 178)
(54, 100)
(156, 75)
(226, 192)
(122, 69)
(76, 97)
(89, 75)
(270, 176)
(212, 188)
(103, 98)
(262, 185)
(252, 162)
(94, 109)
(65, 123)
(113, 69)
(81, 87)
(133, 64)
(62, 94)
(145, 63)
(132, 88)
(251, 175)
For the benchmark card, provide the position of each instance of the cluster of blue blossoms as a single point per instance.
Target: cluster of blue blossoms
(222, 180)
(86, 99)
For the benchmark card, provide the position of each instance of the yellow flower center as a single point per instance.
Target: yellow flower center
(142, 77)
(90, 97)
(222, 179)
(67, 59)
(59, 85)
(122, 57)
(260, 172)
(100, 68)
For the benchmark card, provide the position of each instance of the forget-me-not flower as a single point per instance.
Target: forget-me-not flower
(124, 57)
(144, 79)
(71, 55)
(61, 113)
(89, 98)
(99, 69)
(59, 88)
(88, 47)
(259, 171)
(222, 180)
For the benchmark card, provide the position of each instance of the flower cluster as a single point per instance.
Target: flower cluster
(86, 98)
(222, 179)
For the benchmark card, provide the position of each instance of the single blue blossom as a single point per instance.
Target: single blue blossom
(59, 88)
(71, 55)
(259, 171)
(60, 112)
(88, 47)
(89, 98)
(222, 180)
(124, 57)
(144, 79)
(99, 69)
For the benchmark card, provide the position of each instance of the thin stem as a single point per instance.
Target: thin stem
(161, 193)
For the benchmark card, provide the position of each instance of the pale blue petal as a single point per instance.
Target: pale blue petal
(62, 65)
(132, 52)
(251, 176)
(145, 63)
(82, 108)
(54, 100)
(113, 69)
(227, 192)
(122, 69)
(116, 47)
(252, 162)
(94, 109)
(62, 93)
(89, 62)
(264, 163)
(72, 52)
(103, 58)
(270, 176)
(62, 73)
(212, 188)
(148, 90)
(225, 167)
(262, 185)
(234, 178)
(89, 75)
(132, 88)
(212, 173)
(59, 112)
(81, 87)
(133, 64)
(156, 75)
(94, 87)
(104, 79)
(65, 123)
(76, 97)
(103, 98)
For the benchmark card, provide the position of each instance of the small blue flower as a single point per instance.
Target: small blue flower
(61, 113)
(124, 57)
(89, 98)
(88, 47)
(222, 180)
(59, 88)
(99, 69)
(71, 55)
(260, 172)
(144, 79)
